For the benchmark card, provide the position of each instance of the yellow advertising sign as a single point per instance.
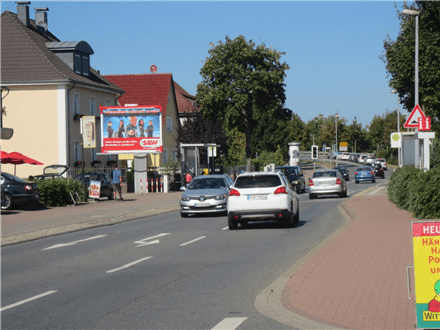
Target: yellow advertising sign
(426, 249)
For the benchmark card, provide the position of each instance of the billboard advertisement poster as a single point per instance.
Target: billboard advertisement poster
(131, 129)
(89, 131)
(426, 249)
(94, 189)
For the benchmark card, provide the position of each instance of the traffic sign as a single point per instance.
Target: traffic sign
(413, 118)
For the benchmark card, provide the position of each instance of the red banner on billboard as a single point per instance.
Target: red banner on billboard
(136, 129)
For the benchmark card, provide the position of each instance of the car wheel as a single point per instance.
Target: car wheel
(303, 189)
(183, 215)
(111, 196)
(345, 195)
(341, 195)
(296, 217)
(290, 219)
(298, 189)
(8, 202)
(231, 223)
(356, 181)
(373, 181)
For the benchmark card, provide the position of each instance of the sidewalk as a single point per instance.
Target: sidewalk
(24, 225)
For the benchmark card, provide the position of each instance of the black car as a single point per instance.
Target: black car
(17, 191)
(378, 170)
(104, 178)
(343, 170)
(295, 176)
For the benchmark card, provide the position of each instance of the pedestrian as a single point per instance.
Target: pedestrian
(188, 178)
(117, 182)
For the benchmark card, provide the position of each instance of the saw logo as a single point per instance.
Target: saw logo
(149, 142)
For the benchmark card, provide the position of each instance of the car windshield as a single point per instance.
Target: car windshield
(324, 174)
(207, 183)
(377, 166)
(88, 177)
(363, 169)
(13, 177)
(258, 181)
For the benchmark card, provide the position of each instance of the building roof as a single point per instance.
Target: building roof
(185, 101)
(25, 58)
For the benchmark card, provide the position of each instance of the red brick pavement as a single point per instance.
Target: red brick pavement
(359, 280)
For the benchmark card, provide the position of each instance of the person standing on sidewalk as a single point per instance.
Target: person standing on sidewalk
(117, 182)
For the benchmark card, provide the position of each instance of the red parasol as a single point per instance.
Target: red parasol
(18, 158)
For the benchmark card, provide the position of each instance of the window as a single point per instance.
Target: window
(92, 106)
(169, 124)
(76, 108)
(165, 155)
(76, 151)
(175, 154)
(77, 64)
(85, 65)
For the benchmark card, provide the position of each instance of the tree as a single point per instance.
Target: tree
(399, 58)
(240, 83)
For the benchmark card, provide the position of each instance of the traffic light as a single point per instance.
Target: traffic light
(314, 152)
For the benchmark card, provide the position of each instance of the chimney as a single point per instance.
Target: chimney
(41, 19)
(23, 12)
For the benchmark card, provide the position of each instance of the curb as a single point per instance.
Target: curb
(59, 230)
(268, 301)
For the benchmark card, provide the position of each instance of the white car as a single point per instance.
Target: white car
(345, 156)
(361, 159)
(382, 161)
(259, 196)
(369, 160)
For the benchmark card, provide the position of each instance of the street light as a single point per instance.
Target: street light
(336, 125)
(394, 91)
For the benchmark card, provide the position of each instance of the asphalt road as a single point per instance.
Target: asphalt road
(161, 272)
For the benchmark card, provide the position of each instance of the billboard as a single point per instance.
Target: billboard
(131, 129)
(426, 249)
(88, 131)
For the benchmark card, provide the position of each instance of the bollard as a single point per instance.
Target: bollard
(152, 185)
(161, 184)
(142, 191)
(157, 185)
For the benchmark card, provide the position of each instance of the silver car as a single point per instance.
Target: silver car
(326, 182)
(381, 161)
(369, 160)
(206, 194)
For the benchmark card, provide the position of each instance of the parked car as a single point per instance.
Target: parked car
(378, 170)
(345, 156)
(327, 182)
(3, 196)
(369, 160)
(104, 178)
(361, 159)
(382, 162)
(364, 173)
(356, 157)
(257, 196)
(295, 176)
(18, 191)
(343, 170)
(206, 194)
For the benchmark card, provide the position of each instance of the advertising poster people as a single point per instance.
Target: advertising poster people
(124, 129)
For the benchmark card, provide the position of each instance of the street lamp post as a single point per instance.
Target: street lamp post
(416, 81)
(394, 91)
(336, 125)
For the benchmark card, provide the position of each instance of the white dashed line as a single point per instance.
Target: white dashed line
(230, 323)
(375, 191)
(194, 240)
(72, 243)
(27, 300)
(226, 228)
(128, 265)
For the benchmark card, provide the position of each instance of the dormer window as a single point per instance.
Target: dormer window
(75, 54)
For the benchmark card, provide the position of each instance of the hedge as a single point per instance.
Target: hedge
(56, 192)
(416, 191)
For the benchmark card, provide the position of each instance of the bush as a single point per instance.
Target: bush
(56, 192)
(416, 191)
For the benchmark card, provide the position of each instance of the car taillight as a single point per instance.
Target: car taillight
(338, 181)
(310, 182)
(385, 164)
(356, 173)
(280, 190)
(371, 172)
(234, 192)
(28, 187)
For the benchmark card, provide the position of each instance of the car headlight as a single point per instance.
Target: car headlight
(295, 182)
(221, 196)
(184, 198)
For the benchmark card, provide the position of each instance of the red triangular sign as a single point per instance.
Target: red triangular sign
(413, 118)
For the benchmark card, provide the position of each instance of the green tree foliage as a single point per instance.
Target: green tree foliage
(241, 82)
(399, 57)
(298, 132)
(56, 192)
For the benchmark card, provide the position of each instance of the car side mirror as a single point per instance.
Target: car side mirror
(182, 188)
(309, 179)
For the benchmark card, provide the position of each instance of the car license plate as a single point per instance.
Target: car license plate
(257, 197)
(201, 204)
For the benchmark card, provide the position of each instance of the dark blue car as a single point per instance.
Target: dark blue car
(364, 173)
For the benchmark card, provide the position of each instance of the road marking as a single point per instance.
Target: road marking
(72, 243)
(375, 191)
(128, 265)
(27, 300)
(230, 323)
(194, 240)
(143, 242)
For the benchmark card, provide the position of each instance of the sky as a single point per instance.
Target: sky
(332, 47)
